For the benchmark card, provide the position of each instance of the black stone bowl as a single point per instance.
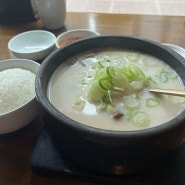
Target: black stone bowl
(102, 151)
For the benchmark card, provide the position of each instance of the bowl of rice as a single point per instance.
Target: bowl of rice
(18, 105)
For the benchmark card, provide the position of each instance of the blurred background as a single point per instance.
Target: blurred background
(22, 10)
(149, 7)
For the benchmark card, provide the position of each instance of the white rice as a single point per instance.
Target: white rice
(17, 86)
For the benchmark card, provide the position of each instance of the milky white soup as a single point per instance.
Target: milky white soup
(108, 90)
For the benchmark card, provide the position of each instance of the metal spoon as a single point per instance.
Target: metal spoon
(168, 92)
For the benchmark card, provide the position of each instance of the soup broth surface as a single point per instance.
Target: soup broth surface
(108, 90)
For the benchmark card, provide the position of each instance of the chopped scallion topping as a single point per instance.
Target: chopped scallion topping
(105, 83)
(110, 72)
(152, 102)
(163, 77)
(103, 63)
(132, 57)
(107, 97)
(140, 119)
(130, 102)
(136, 72)
(78, 104)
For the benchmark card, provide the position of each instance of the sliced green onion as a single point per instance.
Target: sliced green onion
(78, 104)
(136, 85)
(111, 109)
(129, 115)
(163, 77)
(127, 73)
(131, 102)
(102, 106)
(100, 73)
(105, 83)
(110, 72)
(136, 72)
(132, 57)
(152, 102)
(116, 61)
(107, 97)
(149, 61)
(140, 119)
(103, 63)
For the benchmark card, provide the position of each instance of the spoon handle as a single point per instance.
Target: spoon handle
(168, 92)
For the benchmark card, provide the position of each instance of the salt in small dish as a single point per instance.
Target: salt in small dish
(33, 45)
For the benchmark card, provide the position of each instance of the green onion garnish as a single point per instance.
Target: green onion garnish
(107, 97)
(132, 57)
(140, 119)
(110, 72)
(136, 72)
(105, 83)
(152, 102)
(163, 77)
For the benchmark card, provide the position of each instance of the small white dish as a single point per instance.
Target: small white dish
(74, 35)
(20, 116)
(178, 49)
(33, 45)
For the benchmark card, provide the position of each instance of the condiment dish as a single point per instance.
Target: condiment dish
(33, 45)
(74, 35)
(19, 116)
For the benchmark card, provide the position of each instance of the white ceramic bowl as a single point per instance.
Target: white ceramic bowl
(73, 35)
(33, 45)
(176, 48)
(23, 115)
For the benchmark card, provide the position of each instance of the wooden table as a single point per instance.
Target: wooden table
(15, 148)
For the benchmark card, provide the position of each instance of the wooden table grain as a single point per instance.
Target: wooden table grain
(15, 148)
